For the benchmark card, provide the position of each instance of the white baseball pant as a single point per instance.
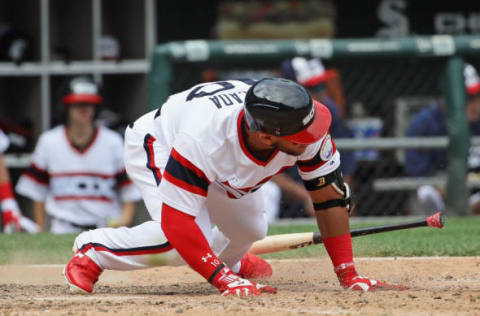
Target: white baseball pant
(239, 222)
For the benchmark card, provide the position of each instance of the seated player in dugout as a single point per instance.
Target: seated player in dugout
(77, 174)
(431, 122)
(201, 159)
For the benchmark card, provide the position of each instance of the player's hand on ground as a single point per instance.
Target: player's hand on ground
(350, 280)
(228, 283)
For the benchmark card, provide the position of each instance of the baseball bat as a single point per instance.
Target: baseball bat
(284, 242)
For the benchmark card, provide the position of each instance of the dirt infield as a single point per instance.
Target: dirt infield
(438, 286)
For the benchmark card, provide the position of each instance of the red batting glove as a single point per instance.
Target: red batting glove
(11, 222)
(350, 280)
(228, 283)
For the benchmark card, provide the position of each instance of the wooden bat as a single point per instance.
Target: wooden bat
(284, 242)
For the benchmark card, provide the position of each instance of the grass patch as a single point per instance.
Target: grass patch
(35, 249)
(459, 237)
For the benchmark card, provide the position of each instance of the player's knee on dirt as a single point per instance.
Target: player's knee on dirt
(341, 191)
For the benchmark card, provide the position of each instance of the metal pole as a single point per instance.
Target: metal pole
(459, 135)
(45, 56)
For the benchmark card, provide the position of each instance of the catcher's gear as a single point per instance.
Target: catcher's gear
(229, 283)
(82, 90)
(284, 108)
(335, 179)
(81, 273)
(350, 280)
(254, 267)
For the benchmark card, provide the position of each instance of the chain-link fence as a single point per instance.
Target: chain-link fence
(377, 97)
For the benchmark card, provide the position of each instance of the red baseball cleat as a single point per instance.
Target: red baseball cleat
(81, 273)
(254, 267)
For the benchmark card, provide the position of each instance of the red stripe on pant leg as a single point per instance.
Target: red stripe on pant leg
(134, 253)
(152, 158)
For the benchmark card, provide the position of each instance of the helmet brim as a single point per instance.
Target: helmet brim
(316, 130)
(82, 98)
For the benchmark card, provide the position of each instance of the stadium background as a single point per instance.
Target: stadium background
(382, 91)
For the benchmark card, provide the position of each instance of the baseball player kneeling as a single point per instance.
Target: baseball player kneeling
(201, 159)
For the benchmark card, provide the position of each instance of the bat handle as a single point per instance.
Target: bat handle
(436, 220)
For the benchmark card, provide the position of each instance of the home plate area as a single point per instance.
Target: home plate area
(437, 286)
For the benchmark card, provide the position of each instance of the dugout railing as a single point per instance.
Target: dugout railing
(176, 65)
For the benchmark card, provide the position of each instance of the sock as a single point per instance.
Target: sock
(340, 250)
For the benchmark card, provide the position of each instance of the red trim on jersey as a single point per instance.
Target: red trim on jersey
(184, 185)
(269, 177)
(38, 168)
(176, 163)
(125, 183)
(83, 197)
(186, 237)
(244, 147)
(80, 174)
(310, 166)
(246, 190)
(33, 178)
(86, 148)
(37, 174)
(187, 164)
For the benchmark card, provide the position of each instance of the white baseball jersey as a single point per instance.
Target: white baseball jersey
(82, 187)
(202, 135)
(193, 147)
(4, 142)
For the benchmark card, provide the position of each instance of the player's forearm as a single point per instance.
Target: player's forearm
(39, 214)
(186, 237)
(128, 211)
(4, 177)
(333, 221)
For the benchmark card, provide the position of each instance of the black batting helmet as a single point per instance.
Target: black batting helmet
(284, 108)
(82, 90)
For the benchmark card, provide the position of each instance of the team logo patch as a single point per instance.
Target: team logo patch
(326, 149)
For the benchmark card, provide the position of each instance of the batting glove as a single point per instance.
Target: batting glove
(350, 280)
(228, 283)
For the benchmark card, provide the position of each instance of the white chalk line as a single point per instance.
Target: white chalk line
(378, 258)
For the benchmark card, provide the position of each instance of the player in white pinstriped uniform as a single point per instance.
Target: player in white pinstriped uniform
(77, 173)
(202, 159)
